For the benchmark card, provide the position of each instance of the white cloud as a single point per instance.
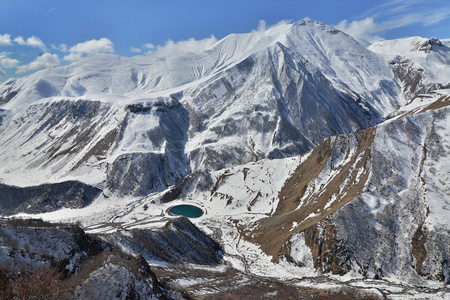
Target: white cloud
(135, 50)
(35, 42)
(9, 62)
(19, 40)
(172, 48)
(73, 57)
(396, 14)
(61, 47)
(2, 73)
(365, 29)
(396, 7)
(5, 39)
(31, 41)
(190, 46)
(94, 46)
(46, 60)
(102, 45)
(262, 26)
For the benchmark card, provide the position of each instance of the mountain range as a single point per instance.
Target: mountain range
(320, 165)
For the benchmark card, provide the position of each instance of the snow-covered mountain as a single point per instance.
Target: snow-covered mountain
(270, 93)
(309, 154)
(422, 64)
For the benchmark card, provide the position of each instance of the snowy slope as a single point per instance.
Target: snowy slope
(273, 93)
(422, 64)
(369, 205)
(346, 63)
(330, 50)
(430, 54)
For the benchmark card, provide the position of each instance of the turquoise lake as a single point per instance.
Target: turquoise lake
(187, 210)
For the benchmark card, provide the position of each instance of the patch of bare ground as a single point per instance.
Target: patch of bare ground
(325, 248)
(41, 283)
(418, 248)
(439, 103)
(272, 233)
(229, 283)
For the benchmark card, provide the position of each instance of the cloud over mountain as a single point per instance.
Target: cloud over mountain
(46, 60)
(94, 46)
(365, 29)
(102, 45)
(172, 48)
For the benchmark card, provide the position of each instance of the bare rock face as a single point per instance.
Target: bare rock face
(7, 95)
(427, 45)
(122, 284)
(419, 67)
(329, 255)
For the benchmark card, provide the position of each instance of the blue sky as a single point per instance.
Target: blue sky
(36, 34)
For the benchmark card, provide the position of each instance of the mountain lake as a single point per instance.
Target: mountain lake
(187, 210)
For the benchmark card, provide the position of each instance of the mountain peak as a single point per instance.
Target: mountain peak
(304, 21)
(319, 25)
(426, 45)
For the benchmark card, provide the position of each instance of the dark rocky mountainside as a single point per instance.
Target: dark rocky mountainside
(87, 262)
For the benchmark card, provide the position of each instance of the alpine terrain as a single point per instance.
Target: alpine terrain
(322, 169)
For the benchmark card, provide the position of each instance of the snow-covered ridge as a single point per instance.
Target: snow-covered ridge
(269, 93)
(105, 74)
(429, 56)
